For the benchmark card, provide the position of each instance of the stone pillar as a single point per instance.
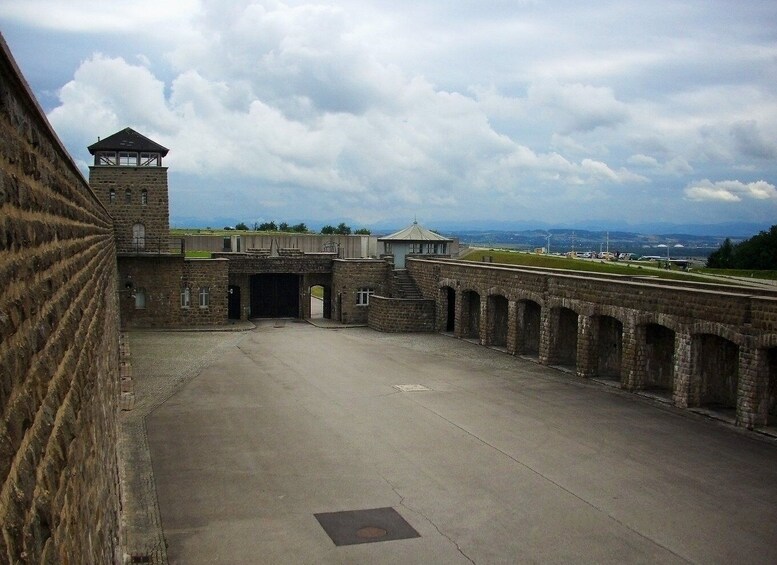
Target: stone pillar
(752, 387)
(634, 355)
(683, 370)
(587, 346)
(549, 325)
(513, 330)
(484, 336)
(459, 316)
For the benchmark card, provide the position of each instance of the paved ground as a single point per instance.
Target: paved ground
(502, 461)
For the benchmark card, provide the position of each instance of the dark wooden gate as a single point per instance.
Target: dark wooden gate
(275, 295)
(233, 302)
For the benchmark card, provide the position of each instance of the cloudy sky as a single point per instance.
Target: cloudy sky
(375, 111)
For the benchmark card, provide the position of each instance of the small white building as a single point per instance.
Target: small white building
(414, 240)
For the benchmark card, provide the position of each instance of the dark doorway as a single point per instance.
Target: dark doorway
(659, 358)
(450, 321)
(529, 338)
(233, 302)
(275, 296)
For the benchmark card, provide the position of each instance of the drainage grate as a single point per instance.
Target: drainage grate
(411, 388)
(350, 527)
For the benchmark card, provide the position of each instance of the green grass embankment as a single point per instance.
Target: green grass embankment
(634, 269)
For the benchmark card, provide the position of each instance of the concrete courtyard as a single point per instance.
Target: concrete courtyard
(501, 460)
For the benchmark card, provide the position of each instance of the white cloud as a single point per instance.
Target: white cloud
(88, 16)
(730, 191)
(581, 107)
(467, 110)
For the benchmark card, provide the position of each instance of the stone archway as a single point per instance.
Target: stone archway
(715, 378)
(497, 320)
(470, 315)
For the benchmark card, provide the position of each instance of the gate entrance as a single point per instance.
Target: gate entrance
(275, 295)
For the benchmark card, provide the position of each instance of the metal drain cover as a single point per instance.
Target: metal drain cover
(411, 388)
(350, 527)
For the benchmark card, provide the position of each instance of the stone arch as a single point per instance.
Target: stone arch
(320, 300)
(715, 372)
(470, 314)
(497, 317)
(703, 327)
(529, 322)
(563, 336)
(658, 359)
(608, 347)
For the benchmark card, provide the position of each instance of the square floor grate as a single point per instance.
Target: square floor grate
(350, 527)
(411, 388)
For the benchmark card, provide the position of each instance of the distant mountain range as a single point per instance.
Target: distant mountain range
(734, 230)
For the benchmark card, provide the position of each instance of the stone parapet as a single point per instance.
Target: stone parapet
(400, 314)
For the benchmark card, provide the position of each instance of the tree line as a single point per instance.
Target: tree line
(759, 252)
(340, 229)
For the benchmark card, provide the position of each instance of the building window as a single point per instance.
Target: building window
(204, 297)
(139, 236)
(186, 297)
(127, 158)
(112, 196)
(128, 196)
(149, 159)
(144, 197)
(140, 299)
(106, 158)
(363, 296)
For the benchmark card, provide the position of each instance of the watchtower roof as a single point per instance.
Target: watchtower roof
(414, 232)
(127, 140)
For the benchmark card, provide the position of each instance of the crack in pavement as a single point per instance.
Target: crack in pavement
(425, 517)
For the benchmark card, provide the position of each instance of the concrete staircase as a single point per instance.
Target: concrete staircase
(404, 286)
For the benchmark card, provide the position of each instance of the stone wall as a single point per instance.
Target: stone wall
(161, 279)
(400, 315)
(342, 246)
(59, 500)
(348, 277)
(153, 215)
(703, 345)
(249, 264)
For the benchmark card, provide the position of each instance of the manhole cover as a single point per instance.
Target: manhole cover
(370, 532)
(411, 388)
(350, 527)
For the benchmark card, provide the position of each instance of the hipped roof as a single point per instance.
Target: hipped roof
(414, 232)
(127, 139)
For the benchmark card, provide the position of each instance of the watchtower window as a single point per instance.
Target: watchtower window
(139, 236)
(112, 196)
(127, 158)
(150, 159)
(128, 196)
(106, 158)
(144, 197)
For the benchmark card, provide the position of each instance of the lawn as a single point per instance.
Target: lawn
(632, 268)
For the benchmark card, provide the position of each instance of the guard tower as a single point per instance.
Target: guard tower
(129, 178)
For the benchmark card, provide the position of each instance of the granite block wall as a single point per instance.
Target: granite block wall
(59, 383)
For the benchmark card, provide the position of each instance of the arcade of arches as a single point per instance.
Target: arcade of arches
(690, 361)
